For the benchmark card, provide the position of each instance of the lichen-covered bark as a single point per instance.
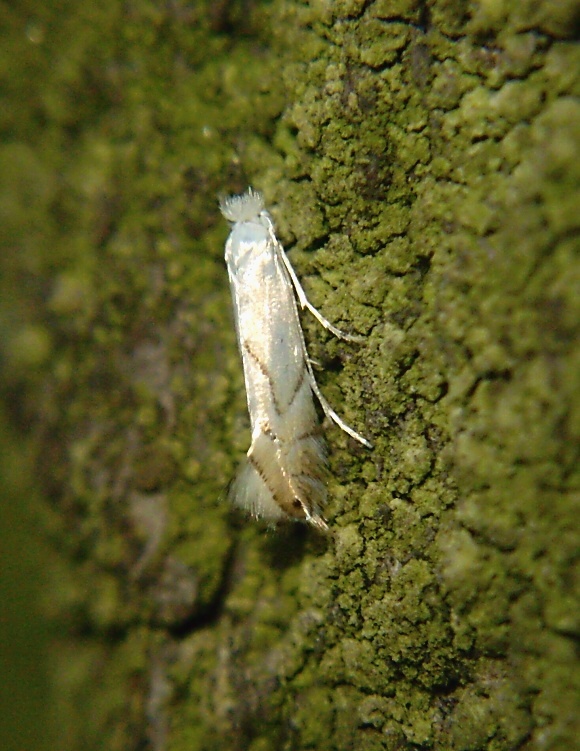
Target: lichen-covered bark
(421, 162)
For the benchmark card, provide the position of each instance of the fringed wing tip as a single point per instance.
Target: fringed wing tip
(249, 492)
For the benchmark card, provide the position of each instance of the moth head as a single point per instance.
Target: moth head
(244, 208)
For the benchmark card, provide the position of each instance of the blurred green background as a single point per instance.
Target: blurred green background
(25, 636)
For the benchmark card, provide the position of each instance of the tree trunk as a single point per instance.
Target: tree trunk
(421, 164)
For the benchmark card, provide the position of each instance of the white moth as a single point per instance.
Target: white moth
(282, 477)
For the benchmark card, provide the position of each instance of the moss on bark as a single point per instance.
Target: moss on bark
(421, 162)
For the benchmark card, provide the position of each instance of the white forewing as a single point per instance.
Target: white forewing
(286, 463)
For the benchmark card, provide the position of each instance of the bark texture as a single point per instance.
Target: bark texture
(421, 162)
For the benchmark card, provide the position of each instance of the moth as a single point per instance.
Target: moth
(283, 474)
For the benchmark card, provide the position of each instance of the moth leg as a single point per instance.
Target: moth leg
(305, 303)
(329, 412)
(317, 521)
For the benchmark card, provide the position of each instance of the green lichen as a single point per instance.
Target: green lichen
(422, 168)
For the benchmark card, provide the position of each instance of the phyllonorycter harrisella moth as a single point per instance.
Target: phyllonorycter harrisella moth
(282, 477)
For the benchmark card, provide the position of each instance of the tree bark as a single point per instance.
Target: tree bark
(421, 163)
